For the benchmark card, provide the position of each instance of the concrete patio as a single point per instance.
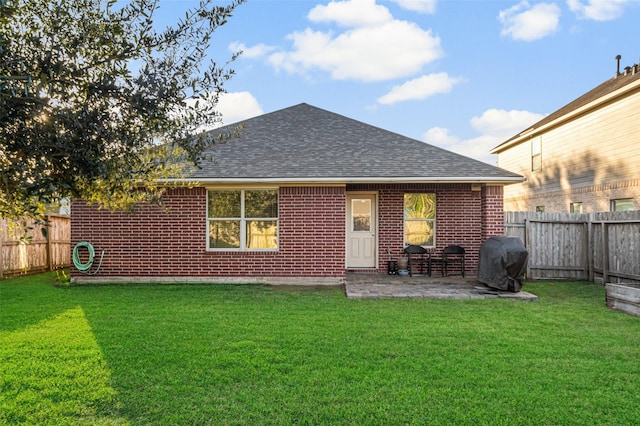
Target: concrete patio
(379, 286)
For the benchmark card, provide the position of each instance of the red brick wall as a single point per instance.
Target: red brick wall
(153, 241)
(492, 211)
(172, 241)
(463, 217)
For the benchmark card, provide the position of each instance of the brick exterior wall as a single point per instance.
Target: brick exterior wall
(492, 211)
(463, 217)
(594, 198)
(171, 241)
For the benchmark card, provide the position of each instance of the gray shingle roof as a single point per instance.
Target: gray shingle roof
(305, 143)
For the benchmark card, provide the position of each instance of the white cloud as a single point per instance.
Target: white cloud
(527, 23)
(495, 127)
(441, 137)
(423, 6)
(352, 13)
(504, 124)
(598, 10)
(420, 88)
(238, 106)
(252, 52)
(375, 46)
(232, 107)
(477, 148)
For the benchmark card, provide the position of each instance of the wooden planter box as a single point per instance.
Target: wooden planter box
(624, 297)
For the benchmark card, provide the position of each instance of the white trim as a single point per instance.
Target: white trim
(347, 224)
(243, 221)
(434, 221)
(343, 181)
(523, 136)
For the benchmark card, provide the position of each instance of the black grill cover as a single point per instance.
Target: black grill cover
(502, 263)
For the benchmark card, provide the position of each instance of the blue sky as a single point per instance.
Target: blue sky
(464, 75)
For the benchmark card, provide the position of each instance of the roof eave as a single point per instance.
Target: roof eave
(529, 133)
(346, 180)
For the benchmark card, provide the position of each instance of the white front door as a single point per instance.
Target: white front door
(361, 230)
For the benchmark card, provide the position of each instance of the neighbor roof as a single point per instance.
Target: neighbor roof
(303, 143)
(616, 86)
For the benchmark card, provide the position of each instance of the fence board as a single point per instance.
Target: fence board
(601, 246)
(557, 249)
(34, 251)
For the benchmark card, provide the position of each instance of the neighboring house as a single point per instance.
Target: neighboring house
(582, 158)
(302, 196)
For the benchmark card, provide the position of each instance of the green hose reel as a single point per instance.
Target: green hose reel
(86, 266)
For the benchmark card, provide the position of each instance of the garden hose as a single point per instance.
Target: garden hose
(84, 267)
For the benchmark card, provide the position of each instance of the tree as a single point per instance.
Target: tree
(96, 103)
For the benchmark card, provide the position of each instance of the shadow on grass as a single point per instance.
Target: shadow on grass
(31, 299)
(268, 355)
(53, 372)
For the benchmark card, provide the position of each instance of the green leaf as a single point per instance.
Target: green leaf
(79, 60)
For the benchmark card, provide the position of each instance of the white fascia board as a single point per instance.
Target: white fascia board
(343, 180)
(527, 134)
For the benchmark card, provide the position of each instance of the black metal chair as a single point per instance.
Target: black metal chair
(417, 255)
(452, 256)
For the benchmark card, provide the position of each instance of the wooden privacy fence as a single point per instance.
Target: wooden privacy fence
(600, 247)
(33, 251)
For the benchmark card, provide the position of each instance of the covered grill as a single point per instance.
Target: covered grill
(502, 263)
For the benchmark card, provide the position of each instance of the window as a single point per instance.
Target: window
(361, 215)
(420, 219)
(536, 154)
(622, 205)
(243, 219)
(539, 209)
(575, 208)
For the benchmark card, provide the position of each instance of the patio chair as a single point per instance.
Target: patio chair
(417, 255)
(452, 256)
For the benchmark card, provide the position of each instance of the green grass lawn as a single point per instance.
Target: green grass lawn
(221, 355)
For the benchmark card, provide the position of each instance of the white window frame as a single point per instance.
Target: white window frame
(614, 204)
(536, 154)
(576, 207)
(243, 220)
(432, 221)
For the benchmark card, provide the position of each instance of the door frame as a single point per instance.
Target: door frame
(376, 226)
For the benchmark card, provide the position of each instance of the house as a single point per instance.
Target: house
(583, 157)
(302, 196)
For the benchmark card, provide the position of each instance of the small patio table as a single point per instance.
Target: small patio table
(435, 261)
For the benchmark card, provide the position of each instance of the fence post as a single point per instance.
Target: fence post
(586, 250)
(2, 232)
(527, 223)
(605, 252)
(590, 248)
(47, 225)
